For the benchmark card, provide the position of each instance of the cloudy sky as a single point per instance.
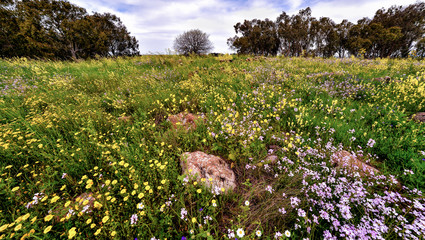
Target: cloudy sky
(156, 23)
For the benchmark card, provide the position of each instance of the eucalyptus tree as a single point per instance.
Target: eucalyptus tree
(259, 37)
(61, 30)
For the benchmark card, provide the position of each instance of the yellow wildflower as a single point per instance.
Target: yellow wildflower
(18, 227)
(48, 217)
(18, 219)
(54, 199)
(97, 204)
(24, 236)
(26, 216)
(72, 233)
(47, 229)
(2, 228)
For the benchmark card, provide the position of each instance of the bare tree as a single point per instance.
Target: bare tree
(193, 41)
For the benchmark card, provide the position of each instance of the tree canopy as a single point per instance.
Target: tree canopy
(60, 30)
(393, 32)
(258, 37)
(193, 41)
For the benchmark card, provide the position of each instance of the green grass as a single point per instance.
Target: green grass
(61, 135)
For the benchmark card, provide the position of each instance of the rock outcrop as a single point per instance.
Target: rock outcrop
(349, 161)
(271, 159)
(213, 169)
(420, 117)
(82, 204)
(186, 120)
(126, 119)
(85, 201)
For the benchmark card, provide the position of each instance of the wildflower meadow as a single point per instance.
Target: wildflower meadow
(87, 152)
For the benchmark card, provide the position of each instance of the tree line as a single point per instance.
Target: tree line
(57, 29)
(394, 32)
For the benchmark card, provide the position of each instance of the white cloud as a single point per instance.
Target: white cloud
(156, 23)
(294, 5)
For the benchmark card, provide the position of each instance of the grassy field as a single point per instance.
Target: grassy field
(86, 151)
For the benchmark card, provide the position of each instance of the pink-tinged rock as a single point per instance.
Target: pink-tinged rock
(420, 117)
(187, 120)
(126, 119)
(208, 167)
(81, 199)
(271, 159)
(347, 160)
(78, 206)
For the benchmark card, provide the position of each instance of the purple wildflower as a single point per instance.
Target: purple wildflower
(371, 142)
(282, 210)
(294, 201)
(277, 235)
(183, 213)
(301, 212)
(133, 219)
(269, 189)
